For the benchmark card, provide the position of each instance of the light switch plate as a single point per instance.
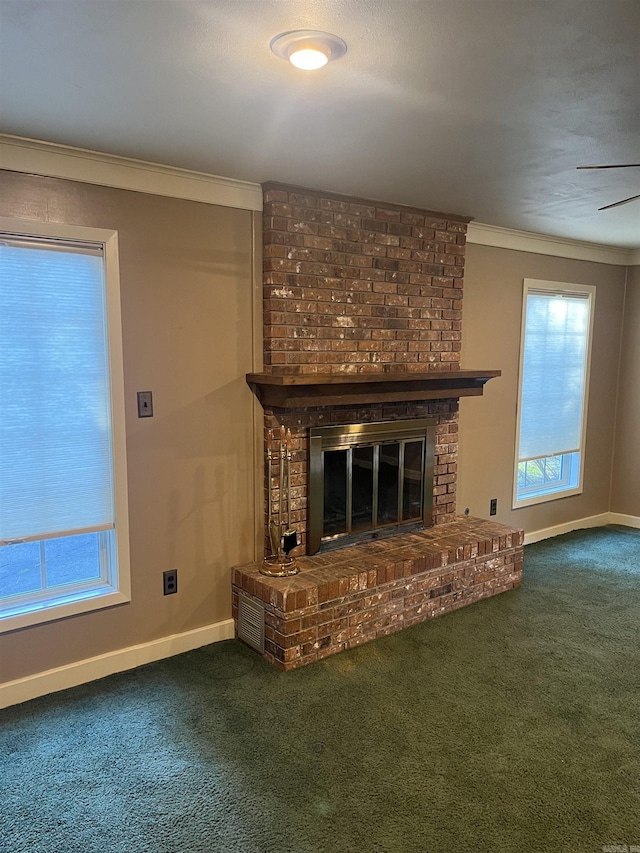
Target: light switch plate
(145, 404)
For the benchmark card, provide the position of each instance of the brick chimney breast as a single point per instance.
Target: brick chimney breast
(356, 286)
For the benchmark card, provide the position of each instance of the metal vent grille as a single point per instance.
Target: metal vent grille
(251, 623)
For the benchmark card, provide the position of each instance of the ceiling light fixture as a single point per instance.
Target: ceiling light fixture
(308, 49)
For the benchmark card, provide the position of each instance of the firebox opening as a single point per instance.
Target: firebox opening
(369, 481)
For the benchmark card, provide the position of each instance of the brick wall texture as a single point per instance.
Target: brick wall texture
(356, 286)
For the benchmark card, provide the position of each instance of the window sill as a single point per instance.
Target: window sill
(26, 615)
(545, 498)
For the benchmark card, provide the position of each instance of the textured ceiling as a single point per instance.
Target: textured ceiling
(477, 107)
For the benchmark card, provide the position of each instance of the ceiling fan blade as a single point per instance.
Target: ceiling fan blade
(619, 166)
(616, 203)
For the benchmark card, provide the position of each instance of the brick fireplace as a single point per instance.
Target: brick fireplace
(363, 320)
(355, 287)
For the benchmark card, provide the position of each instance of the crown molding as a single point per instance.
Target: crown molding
(544, 244)
(19, 154)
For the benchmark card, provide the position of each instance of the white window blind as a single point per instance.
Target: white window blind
(55, 419)
(553, 374)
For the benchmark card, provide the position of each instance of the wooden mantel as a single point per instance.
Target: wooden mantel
(301, 390)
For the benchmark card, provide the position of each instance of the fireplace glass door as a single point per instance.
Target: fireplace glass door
(369, 480)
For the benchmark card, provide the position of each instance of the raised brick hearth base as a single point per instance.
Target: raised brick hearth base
(344, 598)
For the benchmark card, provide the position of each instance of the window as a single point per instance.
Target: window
(63, 506)
(554, 373)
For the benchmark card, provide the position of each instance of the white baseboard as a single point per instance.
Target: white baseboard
(627, 520)
(559, 529)
(81, 672)
(73, 674)
(581, 524)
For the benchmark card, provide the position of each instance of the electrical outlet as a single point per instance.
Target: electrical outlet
(493, 506)
(170, 581)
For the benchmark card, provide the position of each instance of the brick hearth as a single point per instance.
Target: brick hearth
(345, 598)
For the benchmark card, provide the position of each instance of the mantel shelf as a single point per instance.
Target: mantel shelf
(297, 391)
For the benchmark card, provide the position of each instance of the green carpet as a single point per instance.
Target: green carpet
(511, 725)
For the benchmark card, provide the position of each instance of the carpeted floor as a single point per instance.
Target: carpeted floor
(511, 725)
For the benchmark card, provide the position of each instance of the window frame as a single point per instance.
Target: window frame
(587, 291)
(117, 589)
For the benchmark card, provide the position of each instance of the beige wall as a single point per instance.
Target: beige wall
(491, 339)
(625, 496)
(186, 288)
(186, 278)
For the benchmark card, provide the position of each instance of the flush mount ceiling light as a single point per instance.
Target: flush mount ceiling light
(308, 49)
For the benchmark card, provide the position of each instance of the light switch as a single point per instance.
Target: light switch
(145, 404)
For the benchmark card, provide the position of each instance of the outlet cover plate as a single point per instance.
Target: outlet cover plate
(170, 581)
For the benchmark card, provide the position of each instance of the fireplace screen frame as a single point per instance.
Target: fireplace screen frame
(376, 434)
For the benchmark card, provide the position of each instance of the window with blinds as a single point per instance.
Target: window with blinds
(63, 537)
(552, 400)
